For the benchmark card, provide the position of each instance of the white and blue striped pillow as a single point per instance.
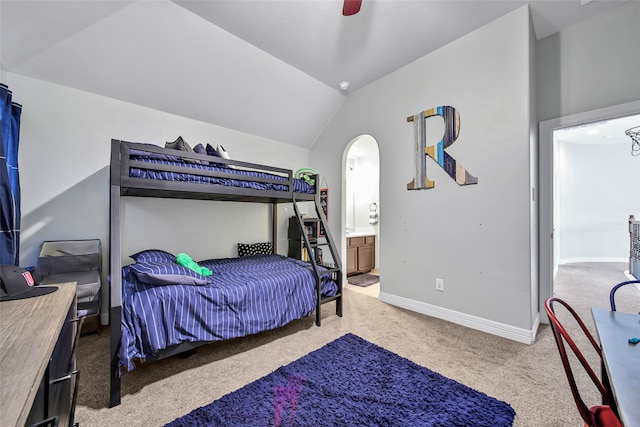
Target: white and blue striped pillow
(153, 255)
(155, 273)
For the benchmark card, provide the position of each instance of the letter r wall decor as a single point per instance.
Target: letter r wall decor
(437, 152)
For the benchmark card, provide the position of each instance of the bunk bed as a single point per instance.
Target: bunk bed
(146, 295)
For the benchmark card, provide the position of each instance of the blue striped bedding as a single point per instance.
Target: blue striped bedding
(299, 185)
(247, 295)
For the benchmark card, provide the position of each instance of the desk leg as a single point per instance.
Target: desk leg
(607, 385)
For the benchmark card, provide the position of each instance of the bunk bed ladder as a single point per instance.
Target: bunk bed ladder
(311, 246)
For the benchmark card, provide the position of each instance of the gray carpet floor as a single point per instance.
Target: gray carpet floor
(529, 377)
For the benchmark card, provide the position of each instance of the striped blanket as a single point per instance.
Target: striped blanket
(191, 173)
(247, 295)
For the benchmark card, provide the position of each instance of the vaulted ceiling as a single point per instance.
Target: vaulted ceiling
(270, 68)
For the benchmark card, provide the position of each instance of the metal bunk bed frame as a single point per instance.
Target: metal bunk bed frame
(124, 185)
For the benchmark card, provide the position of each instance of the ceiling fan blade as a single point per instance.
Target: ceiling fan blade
(351, 7)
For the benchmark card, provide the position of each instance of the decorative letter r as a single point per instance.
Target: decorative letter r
(436, 152)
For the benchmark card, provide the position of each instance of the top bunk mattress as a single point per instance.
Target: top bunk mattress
(188, 175)
(150, 162)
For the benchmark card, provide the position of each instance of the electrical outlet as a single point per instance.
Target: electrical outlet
(440, 285)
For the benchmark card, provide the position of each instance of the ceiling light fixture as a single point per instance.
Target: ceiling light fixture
(344, 86)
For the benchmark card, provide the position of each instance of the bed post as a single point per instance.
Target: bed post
(634, 247)
(274, 227)
(115, 267)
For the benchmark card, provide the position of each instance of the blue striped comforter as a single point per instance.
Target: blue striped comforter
(299, 185)
(247, 295)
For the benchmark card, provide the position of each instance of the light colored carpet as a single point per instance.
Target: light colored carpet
(529, 377)
(372, 291)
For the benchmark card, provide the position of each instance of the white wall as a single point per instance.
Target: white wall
(363, 183)
(3, 75)
(64, 152)
(368, 193)
(476, 237)
(590, 65)
(596, 197)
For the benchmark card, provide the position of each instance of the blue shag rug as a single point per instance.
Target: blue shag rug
(352, 382)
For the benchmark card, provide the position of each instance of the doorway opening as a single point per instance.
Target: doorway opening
(361, 220)
(587, 176)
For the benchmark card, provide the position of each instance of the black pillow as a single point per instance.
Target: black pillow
(245, 249)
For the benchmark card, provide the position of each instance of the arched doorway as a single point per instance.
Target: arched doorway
(361, 220)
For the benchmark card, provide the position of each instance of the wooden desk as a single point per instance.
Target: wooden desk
(621, 360)
(29, 330)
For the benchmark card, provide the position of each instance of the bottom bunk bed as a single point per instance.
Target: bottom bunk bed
(168, 308)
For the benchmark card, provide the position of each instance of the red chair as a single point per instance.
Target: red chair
(595, 416)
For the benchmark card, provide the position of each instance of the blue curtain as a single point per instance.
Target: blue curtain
(9, 179)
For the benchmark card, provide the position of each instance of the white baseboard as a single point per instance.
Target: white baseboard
(489, 326)
(592, 259)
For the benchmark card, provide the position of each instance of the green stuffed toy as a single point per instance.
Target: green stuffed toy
(188, 262)
(306, 174)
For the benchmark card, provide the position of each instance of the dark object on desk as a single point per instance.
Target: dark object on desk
(634, 340)
(80, 261)
(18, 283)
(596, 416)
(613, 291)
